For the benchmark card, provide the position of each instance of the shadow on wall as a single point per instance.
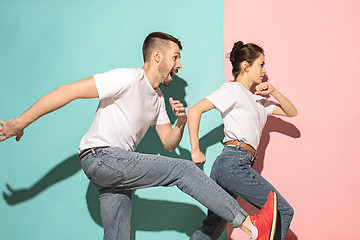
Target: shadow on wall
(153, 215)
(147, 215)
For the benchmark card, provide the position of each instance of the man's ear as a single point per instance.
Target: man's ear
(157, 56)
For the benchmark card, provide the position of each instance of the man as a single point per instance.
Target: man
(131, 101)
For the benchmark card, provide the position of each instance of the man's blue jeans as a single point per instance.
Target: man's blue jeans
(232, 171)
(116, 172)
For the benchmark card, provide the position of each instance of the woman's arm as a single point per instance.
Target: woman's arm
(284, 106)
(194, 123)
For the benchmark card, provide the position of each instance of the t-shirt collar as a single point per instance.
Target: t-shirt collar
(143, 77)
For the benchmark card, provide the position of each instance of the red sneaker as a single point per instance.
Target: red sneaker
(265, 221)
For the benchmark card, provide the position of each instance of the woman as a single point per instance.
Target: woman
(244, 114)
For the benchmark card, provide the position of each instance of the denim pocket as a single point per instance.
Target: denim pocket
(88, 164)
(224, 167)
(106, 176)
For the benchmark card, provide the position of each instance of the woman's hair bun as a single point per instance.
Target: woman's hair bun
(238, 45)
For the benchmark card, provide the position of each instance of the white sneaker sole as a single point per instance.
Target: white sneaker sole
(273, 225)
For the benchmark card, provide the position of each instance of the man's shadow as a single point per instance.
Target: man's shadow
(188, 217)
(147, 215)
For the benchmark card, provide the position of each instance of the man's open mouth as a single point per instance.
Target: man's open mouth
(173, 72)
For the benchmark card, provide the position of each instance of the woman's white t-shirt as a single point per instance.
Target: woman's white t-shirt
(128, 106)
(244, 113)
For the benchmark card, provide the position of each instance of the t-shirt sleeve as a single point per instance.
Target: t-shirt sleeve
(269, 106)
(223, 98)
(162, 117)
(111, 83)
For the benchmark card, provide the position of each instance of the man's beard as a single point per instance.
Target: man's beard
(165, 73)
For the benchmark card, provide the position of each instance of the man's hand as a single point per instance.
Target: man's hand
(179, 110)
(198, 157)
(58, 98)
(264, 88)
(11, 128)
(171, 137)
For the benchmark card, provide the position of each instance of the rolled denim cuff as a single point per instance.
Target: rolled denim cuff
(238, 220)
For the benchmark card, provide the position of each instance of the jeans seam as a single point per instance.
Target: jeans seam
(211, 185)
(253, 176)
(204, 179)
(117, 158)
(121, 216)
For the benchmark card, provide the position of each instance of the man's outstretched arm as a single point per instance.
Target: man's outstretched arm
(85, 88)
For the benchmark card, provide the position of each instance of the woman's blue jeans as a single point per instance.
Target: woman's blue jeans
(116, 172)
(232, 171)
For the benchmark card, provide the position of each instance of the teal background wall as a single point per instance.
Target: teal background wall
(44, 44)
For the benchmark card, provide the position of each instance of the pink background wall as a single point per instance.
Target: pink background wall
(312, 56)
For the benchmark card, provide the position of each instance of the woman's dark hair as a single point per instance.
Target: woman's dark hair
(243, 52)
(157, 40)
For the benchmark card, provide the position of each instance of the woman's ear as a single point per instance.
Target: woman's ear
(244, 66)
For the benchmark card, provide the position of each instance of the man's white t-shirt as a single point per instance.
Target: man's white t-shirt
(128, 106)
(244, 113)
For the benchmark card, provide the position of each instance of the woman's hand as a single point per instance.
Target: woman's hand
(264, 88)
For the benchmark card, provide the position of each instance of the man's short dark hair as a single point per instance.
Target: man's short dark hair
(157, 40)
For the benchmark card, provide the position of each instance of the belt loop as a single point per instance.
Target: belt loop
(238, 146)
(253, 159)
(93, 152)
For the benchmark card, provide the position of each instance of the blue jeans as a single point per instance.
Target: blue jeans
(116, 172)
(232, 171)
